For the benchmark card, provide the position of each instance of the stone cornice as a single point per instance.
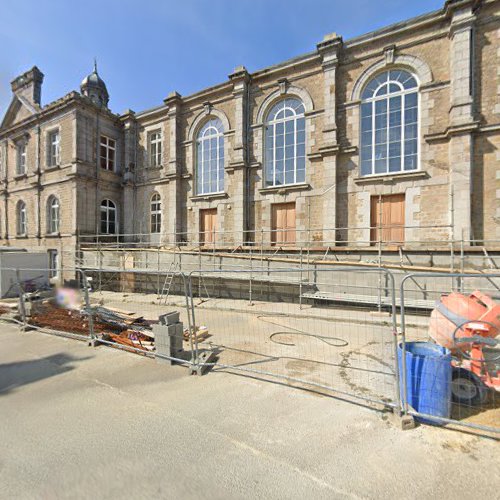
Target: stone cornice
(465, 128)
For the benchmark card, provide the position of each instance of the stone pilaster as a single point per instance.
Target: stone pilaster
(461, 114)
(129, 172)
(239, 157)
(329, 49)
(173, 203)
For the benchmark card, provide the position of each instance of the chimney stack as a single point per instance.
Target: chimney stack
(29, 86)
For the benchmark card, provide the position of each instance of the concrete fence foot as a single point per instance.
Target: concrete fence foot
(403, 422)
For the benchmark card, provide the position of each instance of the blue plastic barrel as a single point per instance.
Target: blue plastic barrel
(428, 379)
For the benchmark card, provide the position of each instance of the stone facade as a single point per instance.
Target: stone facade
(453, 53)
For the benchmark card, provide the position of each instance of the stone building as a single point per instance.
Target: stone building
(392, 136)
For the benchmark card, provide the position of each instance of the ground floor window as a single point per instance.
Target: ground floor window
(53, 263)
(155, 213)
(108, 217)
(387, 219)
(283, 224)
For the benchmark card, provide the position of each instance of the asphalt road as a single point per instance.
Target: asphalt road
(80, 422)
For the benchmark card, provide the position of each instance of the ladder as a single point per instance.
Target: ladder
(167, 284)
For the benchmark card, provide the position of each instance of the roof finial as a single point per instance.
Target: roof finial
(95, 64)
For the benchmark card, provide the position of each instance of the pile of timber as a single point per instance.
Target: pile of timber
(110, 324)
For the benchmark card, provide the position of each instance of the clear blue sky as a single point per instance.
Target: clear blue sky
(146, 48)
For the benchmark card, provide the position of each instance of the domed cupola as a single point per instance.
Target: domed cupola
(94, 87)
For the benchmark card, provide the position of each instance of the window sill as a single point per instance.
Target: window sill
(18, 177)
(401, 176)
(154, 167)
(48, 168)
(53, 235)
(21, 236)
(111, 172)
(208, 196)
(287, 187)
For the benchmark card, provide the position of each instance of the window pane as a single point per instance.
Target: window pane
(380, 151)
(366, 167)
(279, 176)
(411, 131)
(395, 164)
(366, 153)
(381, 107)
(380, 166)
(394, 103)
(411, 162)
(380, 136)
(411, 100)
(411, 115)
(411, 147)
(301, 173)
(394, 134)
(366, 110)
(366, 123)
(366, 138)
(380, 122)
(395, 149)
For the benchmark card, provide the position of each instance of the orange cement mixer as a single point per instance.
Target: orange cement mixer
(468, 326)
(451, 319)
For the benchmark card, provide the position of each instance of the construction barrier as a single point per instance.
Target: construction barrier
(303, 339)
(336, 330)
(464, 322)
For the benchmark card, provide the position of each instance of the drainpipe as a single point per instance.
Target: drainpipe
(97, 203)
(39, 186)
(247, 171)
(6, 196)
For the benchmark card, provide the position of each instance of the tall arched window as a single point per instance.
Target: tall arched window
(210, 158)
(108, 217)
(22, 227)
(285, 143)
(155, 226)
(53, 215)
(389, 124)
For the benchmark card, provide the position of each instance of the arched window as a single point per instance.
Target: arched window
(108, 217)
(155, 213)
(285, 143)
(210, 158)
(389, 124)
(22, 228)
(53, 215)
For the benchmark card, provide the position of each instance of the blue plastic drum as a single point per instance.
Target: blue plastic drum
(428, 378)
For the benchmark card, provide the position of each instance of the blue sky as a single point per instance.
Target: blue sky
(146, 48)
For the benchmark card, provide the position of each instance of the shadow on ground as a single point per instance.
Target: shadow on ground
(19, 373)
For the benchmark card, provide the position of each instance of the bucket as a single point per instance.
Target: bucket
(428, 379)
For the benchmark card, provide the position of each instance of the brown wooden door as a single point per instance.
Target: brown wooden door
(283, 224)
(208, 226)
(388, 219)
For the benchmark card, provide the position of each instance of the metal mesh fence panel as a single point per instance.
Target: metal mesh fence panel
(327, 330)
(450, 357)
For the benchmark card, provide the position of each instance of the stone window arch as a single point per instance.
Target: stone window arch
(418, 67)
